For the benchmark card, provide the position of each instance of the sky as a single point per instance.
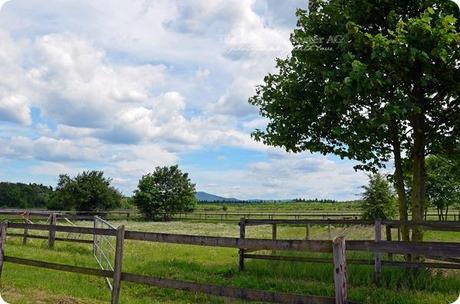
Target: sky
(125, 86)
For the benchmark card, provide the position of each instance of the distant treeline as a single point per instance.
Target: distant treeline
(19, 195)
(297, 200)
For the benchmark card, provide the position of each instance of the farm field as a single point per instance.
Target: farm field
(352, 206)
(23, 284)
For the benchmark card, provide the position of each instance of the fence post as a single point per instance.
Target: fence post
(242, 236)
(329, 231)
(3, 227)
(307, 232)
(340, 270)
(274, 230)
(26, 230)
(94, 234)
(116, 284)
(52, 232)
(377, 255)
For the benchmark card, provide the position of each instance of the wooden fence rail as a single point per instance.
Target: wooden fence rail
(448, 252)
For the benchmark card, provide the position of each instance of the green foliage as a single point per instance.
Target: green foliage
(88, 191)
(389, 87)
(127, 203)
(18, 195)
(378, 200)
(443, 183)
(164, 192)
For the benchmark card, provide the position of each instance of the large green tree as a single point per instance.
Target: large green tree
(88, 191)
(341, 91)
(164, 192)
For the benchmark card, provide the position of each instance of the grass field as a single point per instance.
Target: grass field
(281, 207)
(22, 284)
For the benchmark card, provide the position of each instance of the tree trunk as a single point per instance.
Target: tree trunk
(418, 187)
(399, 180)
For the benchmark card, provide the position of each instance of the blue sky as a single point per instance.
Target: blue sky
(124, 86)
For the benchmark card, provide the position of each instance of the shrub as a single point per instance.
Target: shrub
(378, 199)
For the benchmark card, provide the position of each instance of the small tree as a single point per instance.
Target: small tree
(164, 192)
(378, 199)
(88, 191)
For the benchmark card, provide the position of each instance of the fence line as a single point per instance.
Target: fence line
(454, 215)
(445, 250)
(119, 276)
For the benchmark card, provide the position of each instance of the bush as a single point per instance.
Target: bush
(164, 192)
(88, 191)
(378, 199)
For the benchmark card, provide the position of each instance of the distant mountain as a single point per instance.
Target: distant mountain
(207, 197)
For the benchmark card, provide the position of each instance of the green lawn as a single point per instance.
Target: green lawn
(22, 284)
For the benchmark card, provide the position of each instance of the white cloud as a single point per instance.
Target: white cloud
(50, 149)
(235, 100)
(15, 108)
(129, 85)
(287, 177)
(80, 88)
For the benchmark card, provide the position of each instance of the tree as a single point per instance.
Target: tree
(88, 191)
(378, 200)
(164, 192)
(19, 195)
(347, 87)
(443, 183)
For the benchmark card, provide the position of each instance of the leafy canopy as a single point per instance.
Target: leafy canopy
(341, 95)
(443, 183)
(164, 192)
(88, 191)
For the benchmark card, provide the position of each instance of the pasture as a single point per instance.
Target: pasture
(23, 284)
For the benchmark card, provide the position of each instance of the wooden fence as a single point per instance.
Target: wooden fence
(117, 275)
(339, 247)
(453, 262)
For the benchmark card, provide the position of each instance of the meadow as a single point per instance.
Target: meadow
(23, 284)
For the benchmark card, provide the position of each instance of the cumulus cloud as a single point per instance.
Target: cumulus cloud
(15, 108)
(125, 86)
(287, 177)
(14, 103)
(50, 149)
(80, 88)
(235, 100)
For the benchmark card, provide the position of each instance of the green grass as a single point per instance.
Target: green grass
(22, 284)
